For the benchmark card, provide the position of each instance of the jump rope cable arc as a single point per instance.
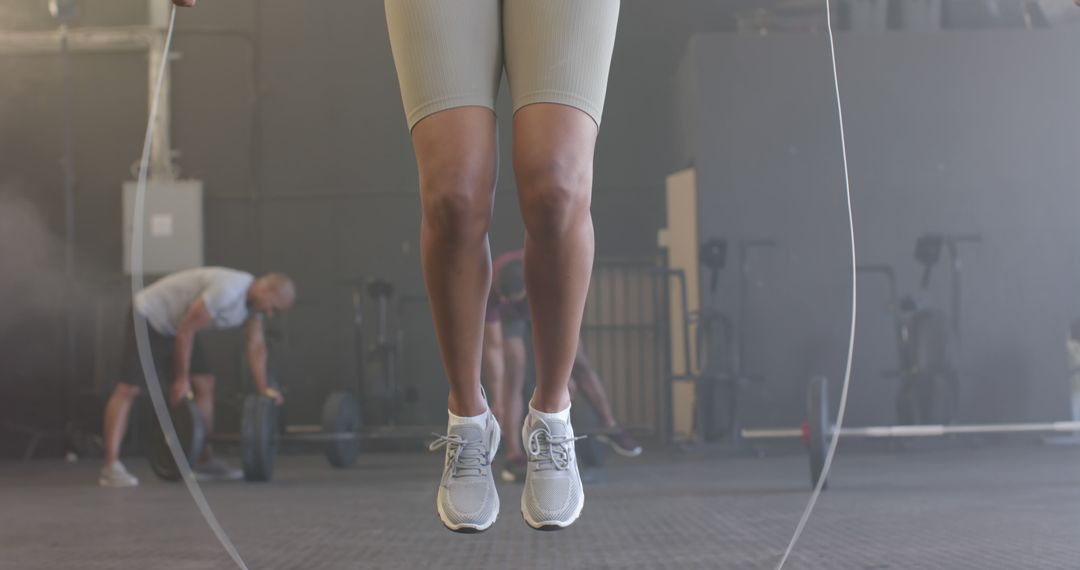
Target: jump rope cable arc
(854, 303)
(142, 338)
(157, 396)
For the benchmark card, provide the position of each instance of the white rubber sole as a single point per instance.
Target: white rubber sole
(623, 452)
(466, 527)
(552, 524)
(106, 483)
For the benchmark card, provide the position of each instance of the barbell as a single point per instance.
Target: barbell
(341, 433)
(819, 429)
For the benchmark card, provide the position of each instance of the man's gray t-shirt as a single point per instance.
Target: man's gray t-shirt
(224, 291)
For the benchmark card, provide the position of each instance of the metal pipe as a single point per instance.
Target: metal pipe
(110, 39)
(771, 433)
(940, 430)
(662, 341)
(161, 166)
(68, 166)
(103, 40)
(920, 431)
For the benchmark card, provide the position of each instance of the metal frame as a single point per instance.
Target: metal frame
(612, 325)
(149, 39)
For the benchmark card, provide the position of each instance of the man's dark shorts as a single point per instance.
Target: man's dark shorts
(515, 328)
(163, 350)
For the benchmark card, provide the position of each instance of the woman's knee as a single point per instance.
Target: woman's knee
(456, 201)
(455, 153)
(555, 195)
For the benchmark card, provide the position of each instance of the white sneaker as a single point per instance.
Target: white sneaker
(115, 475)
(553, 496)
(467, 500)
(216, 470)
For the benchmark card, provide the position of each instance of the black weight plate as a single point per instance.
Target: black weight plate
(341, 415)
(259, 437)
(189, 430)
(817, 410)
(591, 451)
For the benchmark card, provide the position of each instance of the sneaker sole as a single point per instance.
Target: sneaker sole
(466, 528)
(617, 449)
(107, 484)
(552, 525)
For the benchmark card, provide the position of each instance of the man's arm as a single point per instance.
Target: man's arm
(255, 349)
(196, 317)
(184, 3)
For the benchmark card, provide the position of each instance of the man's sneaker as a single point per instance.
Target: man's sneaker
(553, 496)
(115, 475)
(215, 470)
(514, 470)
(467, 500)
(622, 442)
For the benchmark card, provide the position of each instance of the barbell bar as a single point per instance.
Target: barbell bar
(305, 433)
(819, 429)
(917, 430)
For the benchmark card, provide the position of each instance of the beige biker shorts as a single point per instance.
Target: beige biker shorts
(451, 53)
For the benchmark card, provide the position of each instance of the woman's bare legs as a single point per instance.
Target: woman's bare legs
(493, 368)
(589, 383)
(553, 157)
(504, 373)
(456, 157)
(512, 402)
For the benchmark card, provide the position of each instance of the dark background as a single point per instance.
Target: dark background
(965, 132)
(290, 114)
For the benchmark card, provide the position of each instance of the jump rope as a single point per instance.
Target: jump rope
(157, 395)
(142, 335)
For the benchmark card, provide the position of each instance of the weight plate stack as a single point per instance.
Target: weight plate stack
(259, 437)
(189, 429)
(341, 415)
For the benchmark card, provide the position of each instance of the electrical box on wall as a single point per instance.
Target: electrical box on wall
(172, 225)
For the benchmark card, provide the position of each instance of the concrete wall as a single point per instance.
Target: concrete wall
(958, 132)
(290, 113)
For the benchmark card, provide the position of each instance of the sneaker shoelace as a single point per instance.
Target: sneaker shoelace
(465, 458)
(550, 451)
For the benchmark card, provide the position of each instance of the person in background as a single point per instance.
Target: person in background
(176, 308)
(504, 363)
